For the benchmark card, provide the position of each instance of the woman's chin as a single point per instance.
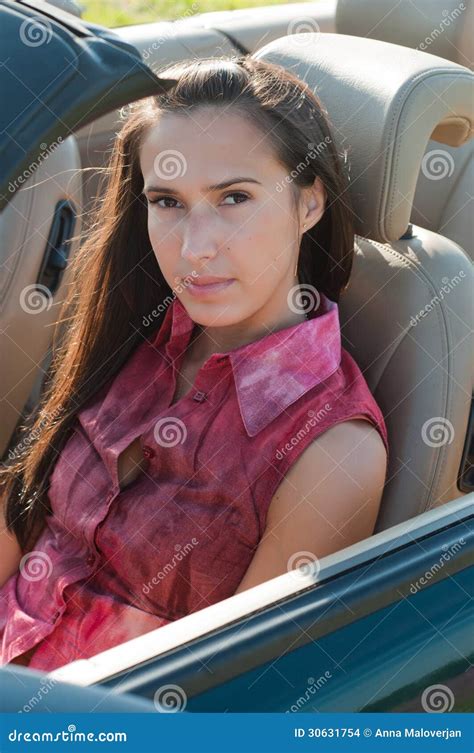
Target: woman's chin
(212, 313)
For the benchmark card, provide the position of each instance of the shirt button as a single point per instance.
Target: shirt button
(90, 559)
(148, 452)
(199, 396)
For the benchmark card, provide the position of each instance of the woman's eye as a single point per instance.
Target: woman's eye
(237, 193)
(162, 198)
(170, 198)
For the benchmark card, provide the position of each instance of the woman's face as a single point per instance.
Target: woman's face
(247, 232)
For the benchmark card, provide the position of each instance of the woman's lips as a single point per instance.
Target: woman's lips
(209, 289)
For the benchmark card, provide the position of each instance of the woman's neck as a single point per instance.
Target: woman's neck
(206, 341)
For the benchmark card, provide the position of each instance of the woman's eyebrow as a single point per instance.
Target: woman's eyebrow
(214, 187)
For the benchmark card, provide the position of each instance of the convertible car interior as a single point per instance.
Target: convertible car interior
(401, 102)
(391, 106)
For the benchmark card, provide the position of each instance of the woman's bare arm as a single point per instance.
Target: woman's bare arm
(328, 500)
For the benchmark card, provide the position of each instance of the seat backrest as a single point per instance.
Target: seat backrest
(443, 199)
(407, 314)
(407, 320)
(44, 210)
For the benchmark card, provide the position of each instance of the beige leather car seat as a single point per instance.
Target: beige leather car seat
(34, 226)
(444, 194)
(407, 314)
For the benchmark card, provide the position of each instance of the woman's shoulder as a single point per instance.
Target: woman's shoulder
(354, 447)
(328, 499)
(342, 397)
(333, 490)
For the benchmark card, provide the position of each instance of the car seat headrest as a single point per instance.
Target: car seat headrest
(385, 103)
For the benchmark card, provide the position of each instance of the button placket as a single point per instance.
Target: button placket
(198, 394)
(93, 557)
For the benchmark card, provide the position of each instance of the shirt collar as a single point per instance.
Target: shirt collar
(273, 372)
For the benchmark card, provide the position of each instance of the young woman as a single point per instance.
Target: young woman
(201, 429)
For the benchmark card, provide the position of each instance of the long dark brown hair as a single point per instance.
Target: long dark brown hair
(116, 280)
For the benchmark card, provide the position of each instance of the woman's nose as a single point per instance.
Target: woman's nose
(197, 247)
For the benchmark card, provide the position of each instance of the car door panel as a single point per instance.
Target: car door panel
(380, 627)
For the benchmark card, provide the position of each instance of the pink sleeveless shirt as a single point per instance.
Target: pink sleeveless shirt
(114, 564)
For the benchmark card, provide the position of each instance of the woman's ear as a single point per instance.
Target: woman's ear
(312, 204)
